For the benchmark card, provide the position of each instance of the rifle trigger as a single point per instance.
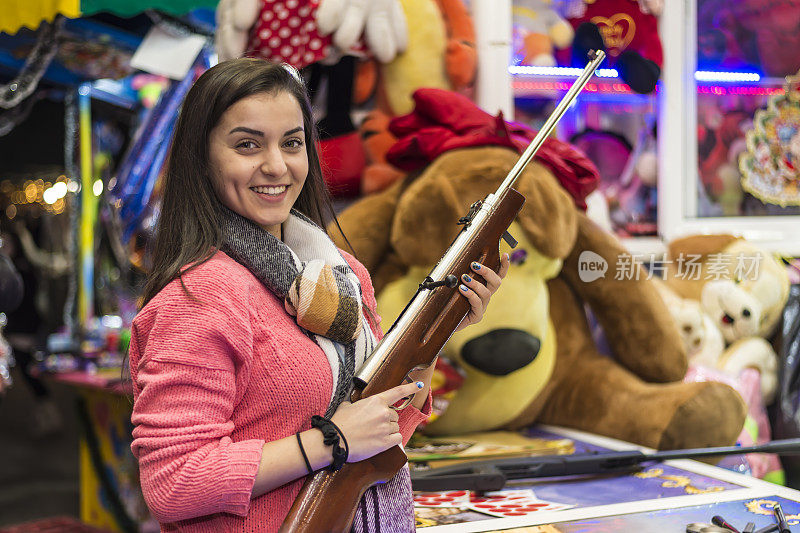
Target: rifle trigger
(511, 241)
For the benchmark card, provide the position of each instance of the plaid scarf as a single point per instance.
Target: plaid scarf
(307, 271)
(318, 287)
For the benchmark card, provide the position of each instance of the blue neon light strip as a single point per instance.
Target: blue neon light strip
(700, 75)
(560, 71)
(706, 75)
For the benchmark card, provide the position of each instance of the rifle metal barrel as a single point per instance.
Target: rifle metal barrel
(783, 446)
(551, 122)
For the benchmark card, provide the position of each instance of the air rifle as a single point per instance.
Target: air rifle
(329, 499)
(492, 474)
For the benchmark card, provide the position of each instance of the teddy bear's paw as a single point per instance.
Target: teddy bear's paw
(757, 353)
(712, 416)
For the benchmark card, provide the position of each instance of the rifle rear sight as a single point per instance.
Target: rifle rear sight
(449, 281)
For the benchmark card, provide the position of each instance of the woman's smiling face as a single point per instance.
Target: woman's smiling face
(258, 158)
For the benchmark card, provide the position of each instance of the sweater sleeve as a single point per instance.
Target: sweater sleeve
(410, 417)
(186, 358)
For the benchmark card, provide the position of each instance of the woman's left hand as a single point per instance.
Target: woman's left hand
(478, 294)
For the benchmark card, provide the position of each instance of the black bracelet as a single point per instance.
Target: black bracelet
(303, 451)
(344, 441)
(331, 435)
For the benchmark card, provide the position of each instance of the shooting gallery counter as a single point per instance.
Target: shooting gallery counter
(110, 497)
(658, 498)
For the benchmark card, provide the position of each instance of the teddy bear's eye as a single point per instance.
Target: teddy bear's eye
(518, 257)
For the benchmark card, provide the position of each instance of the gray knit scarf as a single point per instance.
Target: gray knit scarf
(296, 271)
(293, 270)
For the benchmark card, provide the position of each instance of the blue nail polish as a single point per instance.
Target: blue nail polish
(466, 278)
(464, 288)
(420, 384)
(476, 266)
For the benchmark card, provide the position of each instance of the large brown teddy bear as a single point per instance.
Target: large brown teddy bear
(636, 396)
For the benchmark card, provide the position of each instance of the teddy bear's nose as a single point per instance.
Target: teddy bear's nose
(746, 313)
(501, 351)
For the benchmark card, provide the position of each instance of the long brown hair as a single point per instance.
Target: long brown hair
(188, 227)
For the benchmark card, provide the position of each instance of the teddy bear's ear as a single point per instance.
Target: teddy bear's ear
(427, 214)
(366, 225)
(699, 245)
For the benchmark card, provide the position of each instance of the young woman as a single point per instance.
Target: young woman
(254, 322)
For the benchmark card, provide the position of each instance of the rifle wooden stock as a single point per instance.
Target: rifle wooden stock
(328, 501)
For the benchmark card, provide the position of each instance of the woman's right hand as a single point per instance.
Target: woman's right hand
(370, 424)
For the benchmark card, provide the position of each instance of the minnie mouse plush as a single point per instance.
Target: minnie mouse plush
(627, 30)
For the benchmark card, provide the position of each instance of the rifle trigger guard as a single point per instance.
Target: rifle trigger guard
(406, 401)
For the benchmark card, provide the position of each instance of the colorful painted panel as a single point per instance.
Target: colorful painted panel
(737, 513)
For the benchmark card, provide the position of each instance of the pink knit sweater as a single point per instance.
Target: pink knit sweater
(214, 378)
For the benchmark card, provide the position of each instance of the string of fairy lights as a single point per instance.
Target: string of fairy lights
(49, 195)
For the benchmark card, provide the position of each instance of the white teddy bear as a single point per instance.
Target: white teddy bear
(702, 340)
(729, 306)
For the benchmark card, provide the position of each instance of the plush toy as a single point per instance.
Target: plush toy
(708, 360)
(341, 151)
(440, 54)
(377, 139)
(628, 176)
(538, 28)
(742, 289)
(235, 18)
(382, 22)
(701, 338)
(532, 357)
(516, 349)
(628, 31)
(705, 348)
(721, 138)
(301, 33)
(461, 57)
(749, 35)
(756, 428)
(776, 29)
